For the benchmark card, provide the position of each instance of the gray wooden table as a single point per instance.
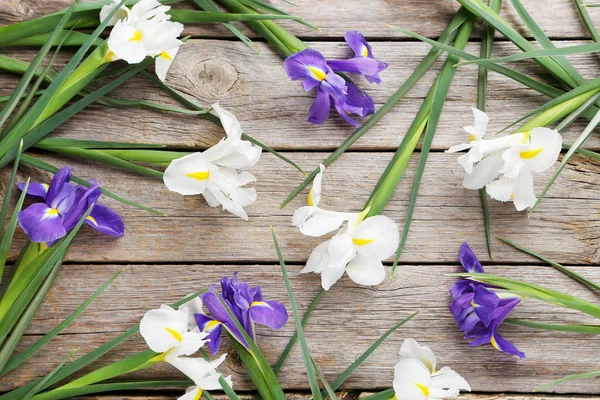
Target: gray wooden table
(165, 258)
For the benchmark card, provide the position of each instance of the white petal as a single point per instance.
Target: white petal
(320, 223)
(192, 393)
(376, 237)
(120, 43)
(107, 9)
(226, 202)
(480, 123)
(412, 349)
(331, 275)
(162, 328)
(341, 251)
(484, 172)
(365, 271)
(512, 162)
(318, 260)
(524, 194)
(410, 375)
(446, 378)
(314, 195)
(178, 176)
(193, 306)
(197, 369)
(163, 62)
(551, 142)
(459, 147)
(230, 123)
(501, 189)
(233, 153)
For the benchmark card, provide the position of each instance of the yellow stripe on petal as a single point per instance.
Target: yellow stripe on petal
(310, 200)
(92, 220)
(494, 343)
(424, 389)
(362, 242)
(173, 333)
(472, 138)
(199, 175)
(526, 136)
(258, 303)
(530, 153)
(365, 52)
(211, 325)
(319, 74)
(51, 212)
(166, 56)
(137, 36)
(198, 395)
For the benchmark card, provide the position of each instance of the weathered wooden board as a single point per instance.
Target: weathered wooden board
(348, 314)
(334, 18)
(273, 109)
(564, 227)
(353, 396)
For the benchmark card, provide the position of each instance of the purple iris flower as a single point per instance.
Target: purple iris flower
(61, 207)
(248, 306)
(363, 63)
(478, 310)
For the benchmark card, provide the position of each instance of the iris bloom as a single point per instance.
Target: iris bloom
(363, 63)
(479, 310)
(144, 31)
(61, 207)
(505, 165)
(165, 331)
(315, 221)
(416, 377)
(248, 306)
(214, 172)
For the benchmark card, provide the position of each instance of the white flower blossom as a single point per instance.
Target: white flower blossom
(203, 373)
(214, 172)
(416, 377)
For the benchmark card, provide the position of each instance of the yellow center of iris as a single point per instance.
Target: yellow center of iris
(173, 333)
(310, 200)
(472, 138)
(199, 175)
(424, 389)
(137, 36)
(317, 73)
(258, 303)
(52, 212)
(92, 220)
(211, 324)
(530, 153)
(166, 56)
(361, 242)
(365, 52)
(494, 343)
(526, 136)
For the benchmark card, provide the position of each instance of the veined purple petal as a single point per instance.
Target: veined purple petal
(469, 260)
(334, 85)
(460, 287)
(270, 313)
(218, 312)
(213, 328)
(83, 197)
(503, 311)
(37, 190)
(309, 65)
(319, 111)
(358, 102)
(339, 107)
(106, 220)
(485, 303)
(41, 223)
(358, 44)
(506, 346)
(60, 179)
(358, 65)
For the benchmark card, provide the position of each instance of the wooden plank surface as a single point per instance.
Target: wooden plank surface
(273, 109)
(359, 315)
(334, 18)
(349, 396)
(564, 227)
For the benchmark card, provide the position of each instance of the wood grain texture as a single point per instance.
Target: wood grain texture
(349, 396)
(334, 18)
(565, 227)
(273, 109)
(348, 319)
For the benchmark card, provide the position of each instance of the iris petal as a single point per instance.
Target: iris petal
(270, 313)
(41, 223)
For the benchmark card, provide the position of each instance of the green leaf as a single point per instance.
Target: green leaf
(224, 384)
(308, 364)
(563, 163)
(567, 271)
(6, 204)
(34, 348)
(49, 376)
(350, 370)
(49, 142)
(27, 159)
(106, 387)
(427, 62)
(254, 370)
(581, 110)
(259, 5)
(328, 389)
(568, 378)
(587, 329)
(440, 91)
(587, 21)
(383, 395)
(194, 17)
(68, 39)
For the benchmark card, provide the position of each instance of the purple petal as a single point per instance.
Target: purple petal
(270, 313)
(358, 65)
(358, 44)
(37, 190)
(83, 197)
(218, 312)
(106, 220)
(502, 312)
(485, 303)
(506, 346)
(468, 259)
(358, 102)
(339, 107)
(309, 65)
(213, 328)
(256, 293)
(41, 223)
(335, 85)
(459, 288)
(62, 177)
(319, 111)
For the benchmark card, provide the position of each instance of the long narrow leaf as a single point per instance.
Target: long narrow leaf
(568, 378)
(34, 390)
(587, 329)
(8, 193)
(308, 364)
(587, 21)
(328, 389)
(106, 387)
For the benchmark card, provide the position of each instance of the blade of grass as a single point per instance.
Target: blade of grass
(195, 17)
(383, 395)
(587, 329)
(49, 142)
(587, 21)
(8, 193)
(567, 271)
(442, 87)
(328, 389)
(308, 364)
(427, 62)
(27, 159)
(12, 225)
(563, 163)
(106, 387)
(38, 387)
(350, 370)
(569, 119)
(568, 378)
(34, 348)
